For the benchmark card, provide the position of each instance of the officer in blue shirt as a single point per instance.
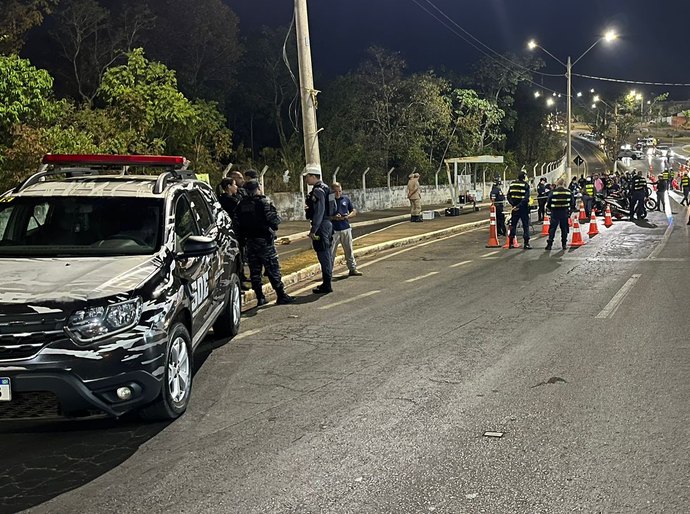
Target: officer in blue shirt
(342, 232)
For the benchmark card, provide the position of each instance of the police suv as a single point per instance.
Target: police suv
(110, 280)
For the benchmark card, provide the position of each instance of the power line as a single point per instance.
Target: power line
(632, 82)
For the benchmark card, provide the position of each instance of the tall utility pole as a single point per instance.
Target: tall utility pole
(307, 91)
(569, 72)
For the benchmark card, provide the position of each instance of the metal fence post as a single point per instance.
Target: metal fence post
(335, 174)
(261, 178)
(364, 186)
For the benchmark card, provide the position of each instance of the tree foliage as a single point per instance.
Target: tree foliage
(17, 17)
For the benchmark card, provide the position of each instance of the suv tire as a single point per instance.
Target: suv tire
(177, 378)
(228, 323)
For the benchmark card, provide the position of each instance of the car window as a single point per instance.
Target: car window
(200, 208)
(185, 225)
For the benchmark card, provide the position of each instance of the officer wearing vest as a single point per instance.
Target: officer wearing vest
(498, 199)
(667, 175)
(662, 185)
(518, 197)
(588, 196)
(257, 221)
(685, 184)
(638, 193)
(321, 205)
(561, 203)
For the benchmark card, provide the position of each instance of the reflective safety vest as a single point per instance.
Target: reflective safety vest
(589, 189)
(517, 191)
(639, 184)
(561, 198)
(666, 175)
(685, 181)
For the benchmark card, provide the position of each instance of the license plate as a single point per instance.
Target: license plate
(5, 390)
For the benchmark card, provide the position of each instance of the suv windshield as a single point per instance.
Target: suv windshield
(79, 226)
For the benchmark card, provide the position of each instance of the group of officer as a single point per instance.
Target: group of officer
(255, 220)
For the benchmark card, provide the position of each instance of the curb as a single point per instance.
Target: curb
(315, 269)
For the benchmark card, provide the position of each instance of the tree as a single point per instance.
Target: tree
(17, 17)
(205, 50)
(92, 41)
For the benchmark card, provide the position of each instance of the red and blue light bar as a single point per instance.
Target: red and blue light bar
(175, 161)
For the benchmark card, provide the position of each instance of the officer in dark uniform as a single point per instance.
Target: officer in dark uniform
(498, 198)
(257, 221)
(229, 198)
(661, 188)
(561, 203)
(685, 184)
(321, 205)
(638, 193)
(518, 197)
(588, 196)
(238, 177)
(542, 194)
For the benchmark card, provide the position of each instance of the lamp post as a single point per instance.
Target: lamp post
(609, 36)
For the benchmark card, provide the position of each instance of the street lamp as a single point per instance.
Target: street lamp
(609, 36)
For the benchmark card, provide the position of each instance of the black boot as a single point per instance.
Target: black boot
(285, 299)
(261, 300)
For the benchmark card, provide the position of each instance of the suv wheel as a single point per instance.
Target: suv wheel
(228, 323)
(177, 384)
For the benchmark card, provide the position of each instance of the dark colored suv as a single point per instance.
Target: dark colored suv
(110, 281)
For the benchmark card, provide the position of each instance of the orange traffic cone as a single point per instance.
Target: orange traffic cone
(493, 236)
(583, 214)
(593, 229)
(570, 222)
(546, 225)
(608, 222)
(515, 243)
(577, 236)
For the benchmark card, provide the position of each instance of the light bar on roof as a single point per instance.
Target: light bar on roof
(114, 160)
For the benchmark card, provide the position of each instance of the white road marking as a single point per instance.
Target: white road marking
(490, 254)
(353, 299)
(664, 240)
(409, 281)
(612, 306)
(457, 265)
(623, 259)
(248, 333)
(379, 230)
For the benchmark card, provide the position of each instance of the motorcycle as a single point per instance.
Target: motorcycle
(619, 202)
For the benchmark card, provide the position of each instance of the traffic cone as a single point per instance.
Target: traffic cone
(515, 244)
(493, 236)
(570, 222)
(608, 222)
(577, 236)
(593, 229)
(583, 214)
(546, 225)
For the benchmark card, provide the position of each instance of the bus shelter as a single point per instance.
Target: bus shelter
(463, 179)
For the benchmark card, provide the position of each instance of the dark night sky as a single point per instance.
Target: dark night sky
(651, 48)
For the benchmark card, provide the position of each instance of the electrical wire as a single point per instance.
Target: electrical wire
(632, 82)
(294, 104)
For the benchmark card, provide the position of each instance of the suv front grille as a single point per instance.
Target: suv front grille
(41, 404)
(22, 335)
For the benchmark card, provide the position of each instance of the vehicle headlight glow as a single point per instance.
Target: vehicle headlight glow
(95, 323)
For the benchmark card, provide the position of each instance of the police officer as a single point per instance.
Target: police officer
(661, 188)
(574, 187)
(238, 177)
(228, 198)
(542, 195)
(638, 193)
(498, 198)
(561, 203)
(588, 196)
(685, 184)
(320, 207)
(518, 198)
(667, 176)
(257, 221)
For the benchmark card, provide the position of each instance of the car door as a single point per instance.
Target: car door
(208, 227)
(194, 273)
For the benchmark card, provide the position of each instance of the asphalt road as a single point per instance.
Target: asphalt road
(595, 159)
(376, 398)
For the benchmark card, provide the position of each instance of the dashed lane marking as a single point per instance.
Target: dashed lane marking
(409, 281)
(457, 265)
(248, 333)
(353, 299)
(612, 306)
(490, 254)
(623, 259)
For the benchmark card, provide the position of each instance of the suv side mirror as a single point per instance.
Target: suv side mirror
(198, 246)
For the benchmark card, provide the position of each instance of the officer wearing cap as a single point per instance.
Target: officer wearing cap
(661, 188)
(638, 193)
(498, 199)
(588, 196)
(518, 197)
(320, 206)
(257, 221)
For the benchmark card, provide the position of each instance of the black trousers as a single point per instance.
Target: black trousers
(684, 201)
(262, 253)
(500, 221)
(520, 214)
(588, 201)
(637, 203)
(559, 218)
(661, 200)
(322, 247)
(542, 208)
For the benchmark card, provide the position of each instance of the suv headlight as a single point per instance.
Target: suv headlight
(94, 323)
